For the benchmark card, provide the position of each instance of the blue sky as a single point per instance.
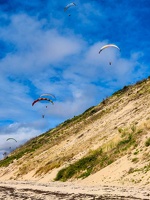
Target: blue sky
(44, 50)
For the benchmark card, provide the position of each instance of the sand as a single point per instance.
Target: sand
(18, 190)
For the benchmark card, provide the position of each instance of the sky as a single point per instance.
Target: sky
(45, 49)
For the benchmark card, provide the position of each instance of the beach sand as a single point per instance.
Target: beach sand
(17, 190)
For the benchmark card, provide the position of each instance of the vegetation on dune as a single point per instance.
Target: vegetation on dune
(84, 166)
(100, 158)
(144, 169)
(147, 143)
(121, 91)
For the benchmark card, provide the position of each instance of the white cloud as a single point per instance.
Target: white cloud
(20, 132)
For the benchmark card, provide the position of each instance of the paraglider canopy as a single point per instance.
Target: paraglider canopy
(69, 5)
(11, 139)
(107, 46)
(48, 94)
(42, 99)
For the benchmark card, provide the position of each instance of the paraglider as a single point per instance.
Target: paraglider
(11, 139)
(5, 155)
(107, 46)
(42, 99)
(68, 6)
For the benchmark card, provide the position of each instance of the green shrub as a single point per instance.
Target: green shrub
(135, 160)
(85, 166)
(147, 143)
